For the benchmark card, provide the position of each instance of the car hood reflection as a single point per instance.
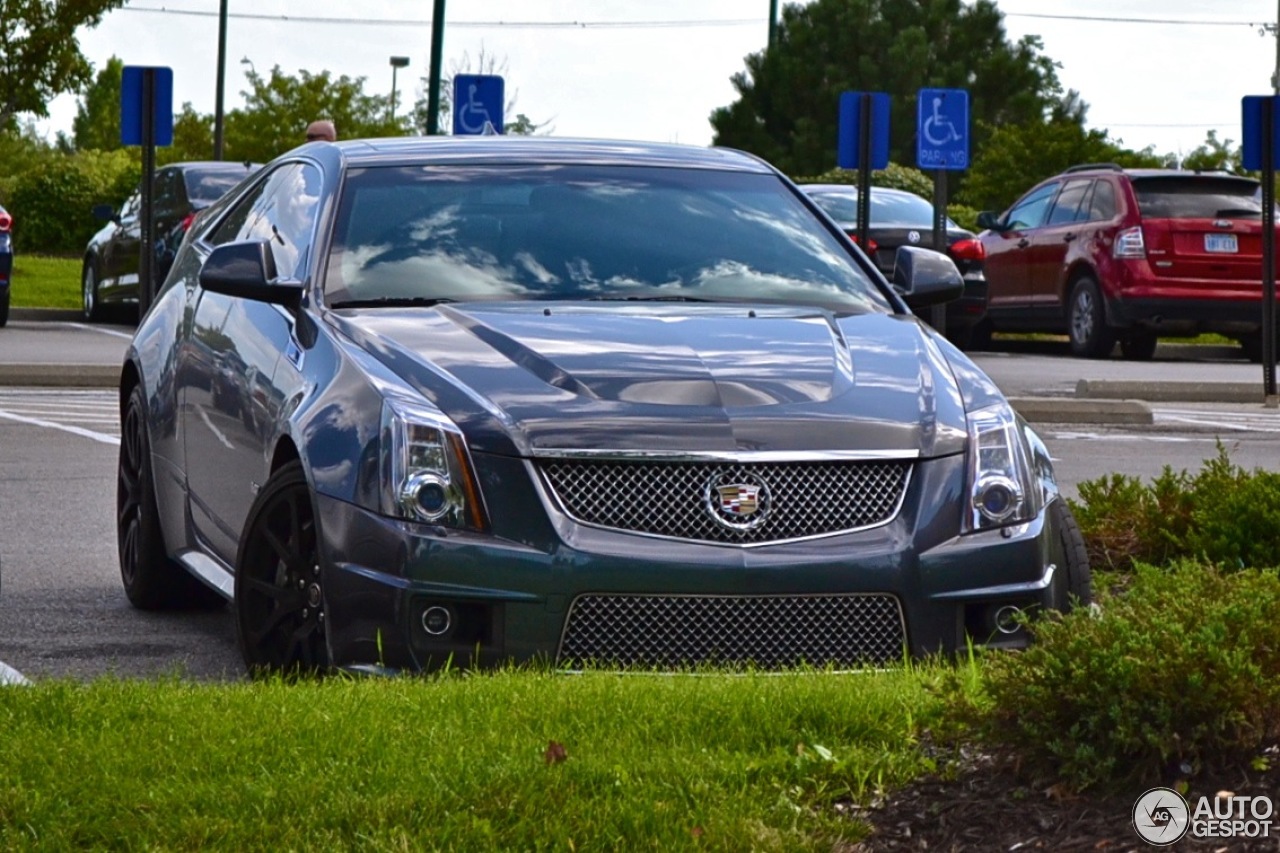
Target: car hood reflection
(536, 377)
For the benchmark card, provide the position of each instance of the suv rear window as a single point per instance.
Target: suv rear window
(1197, 197)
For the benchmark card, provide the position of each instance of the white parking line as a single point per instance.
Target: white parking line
(74, 430)
(112, 332)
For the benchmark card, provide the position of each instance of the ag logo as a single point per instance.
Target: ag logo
(1161, 816)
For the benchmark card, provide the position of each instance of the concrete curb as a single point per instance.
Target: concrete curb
(1068, 410)
(62, 315)
(60, 375)
(1166, 391)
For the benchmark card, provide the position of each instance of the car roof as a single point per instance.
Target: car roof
(850, 188)
(1151, 173)
(541, 149)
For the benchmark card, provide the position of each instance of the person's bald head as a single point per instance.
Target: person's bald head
(322, 130)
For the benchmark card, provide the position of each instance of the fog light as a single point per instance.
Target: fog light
(437, 620)
(1008, 619)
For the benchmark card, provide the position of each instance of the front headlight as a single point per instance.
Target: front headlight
(1003, 488)
(426, 470)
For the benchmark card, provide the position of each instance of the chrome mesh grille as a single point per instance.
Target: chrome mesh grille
(771, 632)
(675, 498)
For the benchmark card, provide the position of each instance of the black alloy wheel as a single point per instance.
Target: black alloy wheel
(279, 594)
(1087, 327)
(151, 580)
(92, 309)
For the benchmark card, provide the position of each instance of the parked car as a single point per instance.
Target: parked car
(595, 403)
(900, 218)
(112, 257)
(1101, 254)
(6, 264)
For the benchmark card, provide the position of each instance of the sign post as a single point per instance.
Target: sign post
(942, 144)
(477, 104)
(863, 144)
(1258, 151)
(146, 119)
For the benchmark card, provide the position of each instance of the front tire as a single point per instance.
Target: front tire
(1139, 345)
(1073, 585)
(279, 600)
(151, 580)
(4, 308)
(90, 305)
(1087, 327)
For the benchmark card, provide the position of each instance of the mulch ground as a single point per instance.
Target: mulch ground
(988, 807)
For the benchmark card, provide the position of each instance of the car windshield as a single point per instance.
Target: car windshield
(462, 233)
(1198, 197)
(888, 210)
(211, 186)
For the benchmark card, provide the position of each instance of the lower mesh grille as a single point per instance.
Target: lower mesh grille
(771, 632)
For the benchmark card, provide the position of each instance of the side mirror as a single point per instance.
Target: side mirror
(989, 219)
(106, 213)
(248, 270)
(925, 277)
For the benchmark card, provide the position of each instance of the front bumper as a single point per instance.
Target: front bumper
(391, 585)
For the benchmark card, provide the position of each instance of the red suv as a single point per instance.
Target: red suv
(1107, 254)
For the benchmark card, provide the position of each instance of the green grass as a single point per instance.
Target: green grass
(42, 281)
(751, 762)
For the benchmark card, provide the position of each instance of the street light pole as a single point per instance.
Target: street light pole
(397, 62)
(222, 73)
(433, 80)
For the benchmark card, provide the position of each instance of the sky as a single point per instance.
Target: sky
(1156, 73)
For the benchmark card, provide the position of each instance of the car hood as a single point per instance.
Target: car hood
(531, 378)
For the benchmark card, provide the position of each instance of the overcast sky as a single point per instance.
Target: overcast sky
(655, 69)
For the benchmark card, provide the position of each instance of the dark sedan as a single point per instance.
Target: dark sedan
(110, 272)
(6, 263)
(457, 401)
(900, 218)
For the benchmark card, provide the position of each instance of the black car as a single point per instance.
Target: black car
(6, 263)
(900, 218)
(112, 257)
(462, 400)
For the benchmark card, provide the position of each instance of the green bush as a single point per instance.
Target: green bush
(893, 176)
(1183, 668)
(1221, 514)
(52, 201)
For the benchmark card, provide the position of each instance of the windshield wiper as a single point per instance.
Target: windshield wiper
(393, 302)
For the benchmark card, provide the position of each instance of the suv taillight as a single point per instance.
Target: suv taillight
(187, 220)
(968, 250)
(1129, 243)
(871, 246)
(6, 222)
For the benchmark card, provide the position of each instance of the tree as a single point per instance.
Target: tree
(788, 96)
(1214, 155)
(278, 108)
(97, 121)
(39, 55)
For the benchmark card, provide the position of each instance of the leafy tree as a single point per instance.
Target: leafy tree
(192, 137)
(1214, 155)
(788, 96)
(278, 108)
(97, 121)
(39, 55)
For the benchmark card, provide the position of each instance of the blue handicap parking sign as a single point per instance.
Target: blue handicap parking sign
(942, 129)
(477, 104)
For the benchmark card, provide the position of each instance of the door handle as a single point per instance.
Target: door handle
(1067, 238)
(1024, 243)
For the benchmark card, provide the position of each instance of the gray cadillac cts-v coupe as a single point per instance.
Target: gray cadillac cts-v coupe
(410, 402)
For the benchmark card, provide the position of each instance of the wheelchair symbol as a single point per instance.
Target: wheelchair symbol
(474, 115)
(938, 128)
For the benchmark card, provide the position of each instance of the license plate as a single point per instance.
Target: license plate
(1220, 243)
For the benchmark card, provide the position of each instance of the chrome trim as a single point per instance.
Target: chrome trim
(210, 571)
(551, 502)
(729, 455)
(1004, 589)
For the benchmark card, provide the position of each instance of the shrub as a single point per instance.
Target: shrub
(1182, 668)
(52, 201)
(1222, 514)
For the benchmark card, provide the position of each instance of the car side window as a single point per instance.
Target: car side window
(282, 210)
(1067, 207)
(129, 210)
(1102, 205)
(1030, 211)
(167, 199)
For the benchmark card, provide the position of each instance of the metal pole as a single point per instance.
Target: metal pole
(222, 73)
(433, 80)
(1268, 252)
(938, 313)
(773, 22)
(394, 69)
(864, 172)
(147, 241)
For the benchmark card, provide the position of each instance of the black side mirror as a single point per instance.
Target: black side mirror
(989, 219)
(106, 213)
(248, 270)
(925, 277)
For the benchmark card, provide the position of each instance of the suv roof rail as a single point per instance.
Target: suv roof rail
(1083, 167)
